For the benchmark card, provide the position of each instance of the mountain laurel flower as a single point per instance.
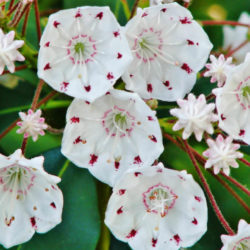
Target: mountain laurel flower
(163, 40)
(8, 51)
(30, 199)
(157, 208)
(83, 52)
(218, 69)
(239, 241)
(233, 37)
(157, 2)
(233, 102)
(222, 154)
(195, 116)
(31, 124)
(114, 133)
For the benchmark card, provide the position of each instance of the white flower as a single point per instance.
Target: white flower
(8, 51)
(195, 116)
(164, 40)
(32, 124)
(157, 208)
(157, 2)
(30, 200)
(218, 69)
(233, 102)
(116, 132)
(233, 37)
(83, 52)
(222, 154)
(239, 241)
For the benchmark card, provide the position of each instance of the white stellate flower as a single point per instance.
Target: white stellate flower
(163, 40)
(218, 69)
(9, 52)
(32, 124)
(30, 200)
(114, 133)
(222, 154)
(235, 36)
(233, 102)
(239, 241)
(157, 2)
(155, 208)
(83, 52)
(195, 116)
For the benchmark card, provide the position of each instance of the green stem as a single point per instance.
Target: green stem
(64, 168)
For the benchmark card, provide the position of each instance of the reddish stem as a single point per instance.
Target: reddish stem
(208, 191)
(246, 162)
(11, 10)
(11, 4)
(134, 8)
(224, 22)
(24, 143)
(46, 98)
(231, 52)
(16, 69)
(37, 94)
(7, 130)
(38, 25)
(17, 16)
(25, 22)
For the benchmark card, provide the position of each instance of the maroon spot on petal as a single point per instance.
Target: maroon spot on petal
(56, 24)
(152, 138)
(122, 191)
(33, 221)
(117, 164)
(131, 234)
(177, 239)
(197, 44)
(75, 119)
(242, 132)
(144, 14)
(120, 211)
(222, 117)
(93, 159)
(110, 76)
(119, 55)
(78, 14)
(87, 88)
(166, 83)
(116, 33)
(164, 9)
(107, 93)
(65, 84)
(190, 42)
(149, 88)
(150, 118)
(52, 204)
(194, 221)
(137, 160)
(185, 20)
(137, 174)
(154, 241)
(77, 140)
(87, 102)
(131, 75)
(198, 198)
(47, 44)
(47, 66)
(99, 15)
(186, 68)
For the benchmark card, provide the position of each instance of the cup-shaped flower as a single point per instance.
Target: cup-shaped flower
(114, 133)
(9, 52)
(218, 69)
(31, 124)
(157, 2)
(157, 208)
(163, 40)
(30, 200)
(195, 116)
(235, 36)
(239, 241)
(222, 154)
(83, 52)
(233, 102)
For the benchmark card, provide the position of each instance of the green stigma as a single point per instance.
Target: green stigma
(246, 91)
(120, 119)
(143, 44)
(79, 48)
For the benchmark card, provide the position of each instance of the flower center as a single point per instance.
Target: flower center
(159, 199)
(79, 48)
(246, 91)
(120, 120)
(243, 244)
